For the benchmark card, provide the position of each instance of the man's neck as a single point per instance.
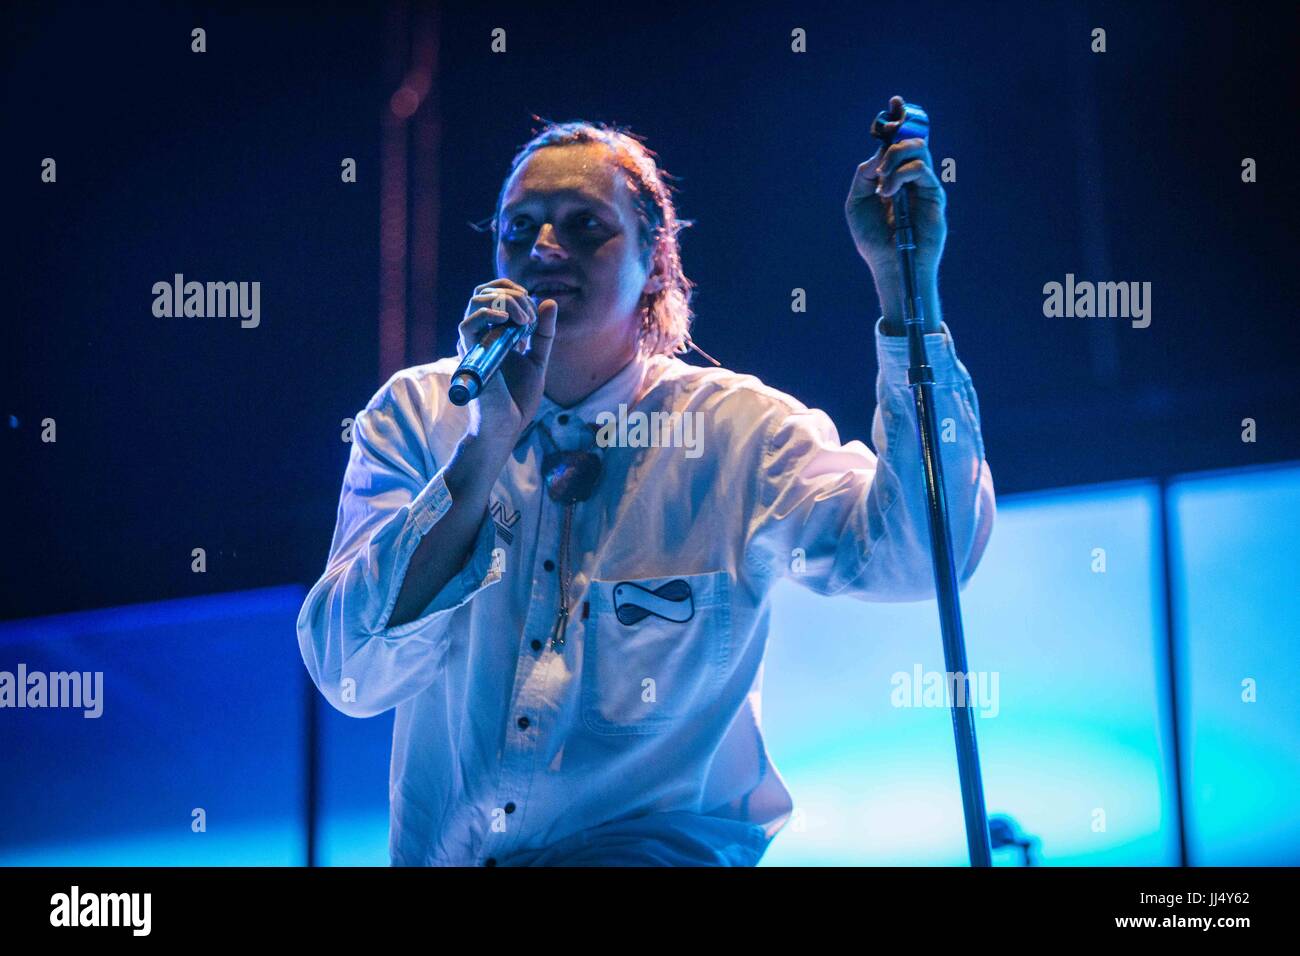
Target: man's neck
(576, 369)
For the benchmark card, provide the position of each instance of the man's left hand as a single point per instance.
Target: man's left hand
(870, 212)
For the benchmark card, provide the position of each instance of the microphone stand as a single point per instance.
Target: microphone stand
(920, 379)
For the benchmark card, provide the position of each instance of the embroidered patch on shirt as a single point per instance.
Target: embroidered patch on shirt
(671, 602)
(505, 520)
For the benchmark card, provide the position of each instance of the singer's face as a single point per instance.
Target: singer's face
(567, 218)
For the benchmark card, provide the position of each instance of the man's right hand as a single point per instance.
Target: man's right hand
(507, 403)
(510, 398)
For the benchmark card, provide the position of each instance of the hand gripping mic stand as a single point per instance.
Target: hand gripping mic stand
(920, 378)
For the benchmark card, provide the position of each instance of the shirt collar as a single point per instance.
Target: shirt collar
(623, 388)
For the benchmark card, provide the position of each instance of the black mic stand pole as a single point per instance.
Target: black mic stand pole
(920, 378)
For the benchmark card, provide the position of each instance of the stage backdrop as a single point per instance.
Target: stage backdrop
(206, 707)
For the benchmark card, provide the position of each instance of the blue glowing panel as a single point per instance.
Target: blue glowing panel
(202, 706)
(1064, 632)
(352, 812)
(1238, 542)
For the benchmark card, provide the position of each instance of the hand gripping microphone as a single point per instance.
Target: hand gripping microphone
(482, 361)
(914, 123)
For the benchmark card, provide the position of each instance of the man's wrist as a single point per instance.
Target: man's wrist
(891, 307)
(477, 462)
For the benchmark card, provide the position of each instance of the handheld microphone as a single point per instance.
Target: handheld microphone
(914, 123)
(483, 360)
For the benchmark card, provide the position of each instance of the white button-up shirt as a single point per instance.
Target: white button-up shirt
(637, 738)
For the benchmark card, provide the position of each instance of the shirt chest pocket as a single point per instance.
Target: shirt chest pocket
(656, 650)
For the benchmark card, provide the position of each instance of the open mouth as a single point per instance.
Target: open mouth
(552, 290)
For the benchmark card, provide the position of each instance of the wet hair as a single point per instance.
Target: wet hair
(666, 314)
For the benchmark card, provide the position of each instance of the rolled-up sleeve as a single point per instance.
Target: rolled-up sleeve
(839, 519)
(362, 666)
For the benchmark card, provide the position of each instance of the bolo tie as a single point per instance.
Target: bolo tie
(571, 476)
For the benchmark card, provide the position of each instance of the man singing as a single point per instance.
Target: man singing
(571, 618)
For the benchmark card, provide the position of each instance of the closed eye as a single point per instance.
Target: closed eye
(520, 226)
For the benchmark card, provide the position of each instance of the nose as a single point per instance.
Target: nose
(546, 248)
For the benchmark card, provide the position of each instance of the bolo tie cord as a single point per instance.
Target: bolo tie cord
(562, 620)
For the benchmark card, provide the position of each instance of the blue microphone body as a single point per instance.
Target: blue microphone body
(915, 125)
(483, 360)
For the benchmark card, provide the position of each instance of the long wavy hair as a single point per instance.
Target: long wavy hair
(665, 314)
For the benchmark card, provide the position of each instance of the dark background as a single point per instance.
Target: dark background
(182, 433)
